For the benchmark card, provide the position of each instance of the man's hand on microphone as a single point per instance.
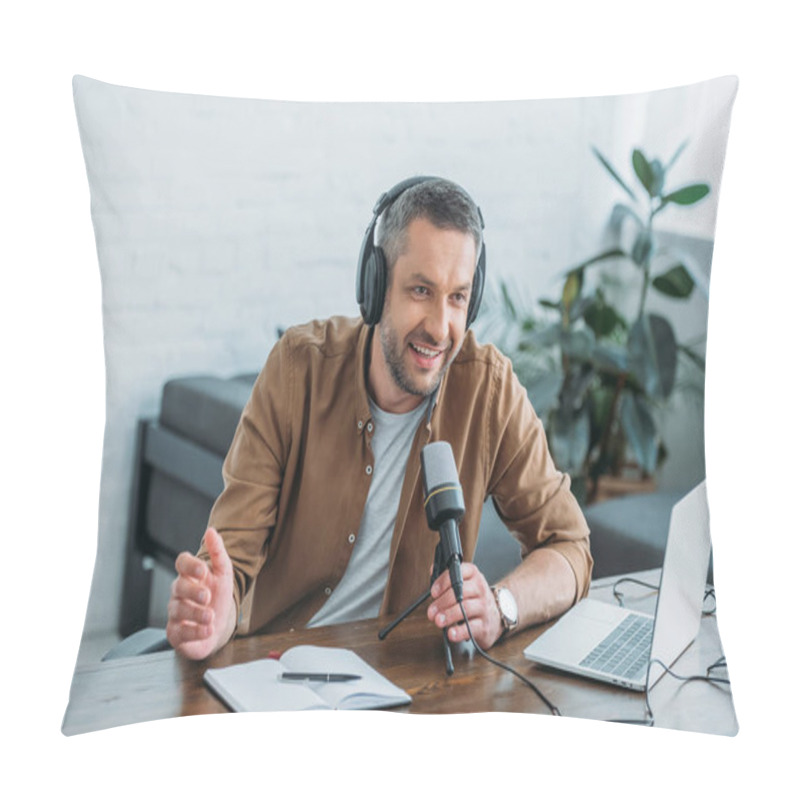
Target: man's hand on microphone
(201, 615)
(479, 605)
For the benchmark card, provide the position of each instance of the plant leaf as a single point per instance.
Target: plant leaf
(613, 173)
(640, 430)
(653, 354)
(642, 248)
(687, 195)
(644, 172)
(569, 440)
(618, 215)
(576, 382)
(543, 390)
(601, 404)
(608, 358)
(577, 343)
(578, 309)
(658, 176)
(675, 282)
(602, 318)
(572, 288)
(548, 336)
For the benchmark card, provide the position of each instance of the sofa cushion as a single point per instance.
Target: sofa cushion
(630, 533)
(205, 409)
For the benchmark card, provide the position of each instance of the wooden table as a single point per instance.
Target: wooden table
(164, 685)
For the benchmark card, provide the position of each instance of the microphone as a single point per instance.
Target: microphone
(444, 506)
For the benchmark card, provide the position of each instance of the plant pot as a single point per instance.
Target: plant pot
(610, 486)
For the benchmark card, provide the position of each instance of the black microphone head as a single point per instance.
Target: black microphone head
(443, 496)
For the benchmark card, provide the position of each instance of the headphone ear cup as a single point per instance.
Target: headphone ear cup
(374, 287)
(477, 288)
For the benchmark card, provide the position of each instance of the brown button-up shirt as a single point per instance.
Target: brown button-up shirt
(300, 464)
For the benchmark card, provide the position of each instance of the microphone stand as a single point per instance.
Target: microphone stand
(438, 568)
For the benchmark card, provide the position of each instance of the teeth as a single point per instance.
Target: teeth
(425, 351)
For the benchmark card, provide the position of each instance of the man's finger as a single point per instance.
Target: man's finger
(220, 561)
(190, 589)
(469, 572)
(440, 585)
(447, 599)
(180, 611)
(190, 566)
(444, 617)
(186, 632)
(460, 633)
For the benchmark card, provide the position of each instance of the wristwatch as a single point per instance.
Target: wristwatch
(507, 606)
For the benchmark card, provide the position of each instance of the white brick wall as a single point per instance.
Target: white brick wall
(219, 220)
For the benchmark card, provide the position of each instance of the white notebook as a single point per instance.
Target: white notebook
(257, 685)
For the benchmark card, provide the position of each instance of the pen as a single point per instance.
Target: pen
(324, 677)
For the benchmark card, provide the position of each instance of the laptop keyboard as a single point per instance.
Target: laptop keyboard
(625, 651)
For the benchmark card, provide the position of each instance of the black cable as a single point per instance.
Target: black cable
(710, 593)
(706, 677)
(649, 717)
(686, 678)
(618, 595)
(720, 663)
(553, 709)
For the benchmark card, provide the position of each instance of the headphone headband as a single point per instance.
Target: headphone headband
(371, 277)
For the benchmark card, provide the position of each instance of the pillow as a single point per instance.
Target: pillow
(219, 222)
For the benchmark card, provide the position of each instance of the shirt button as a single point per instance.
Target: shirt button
(369, 427)
(351, 538)
(328, 590)
(360, 424)
(369, 469)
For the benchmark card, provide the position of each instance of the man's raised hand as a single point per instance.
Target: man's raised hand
(201, 615)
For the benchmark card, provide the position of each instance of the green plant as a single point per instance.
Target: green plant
(596, 376)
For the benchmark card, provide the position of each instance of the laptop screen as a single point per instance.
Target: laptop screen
(683, 579)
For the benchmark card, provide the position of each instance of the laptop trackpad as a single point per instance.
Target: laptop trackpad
(577, 632)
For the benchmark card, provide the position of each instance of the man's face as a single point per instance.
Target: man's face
(424, 315)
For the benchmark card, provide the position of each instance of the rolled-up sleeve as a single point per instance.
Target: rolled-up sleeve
(532, 497)
(245, 513)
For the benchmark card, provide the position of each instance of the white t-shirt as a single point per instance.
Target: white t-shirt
(360, 592)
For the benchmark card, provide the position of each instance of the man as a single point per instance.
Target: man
(321, 518)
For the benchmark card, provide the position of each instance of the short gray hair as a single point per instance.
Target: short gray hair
(443, 203)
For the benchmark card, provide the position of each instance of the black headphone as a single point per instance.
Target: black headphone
(371, 276)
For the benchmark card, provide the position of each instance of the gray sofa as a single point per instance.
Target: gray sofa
(177, 476)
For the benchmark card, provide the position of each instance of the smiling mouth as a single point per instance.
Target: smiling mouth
(426, 352)
(427, 358)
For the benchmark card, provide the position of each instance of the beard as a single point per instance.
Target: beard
(394, 354)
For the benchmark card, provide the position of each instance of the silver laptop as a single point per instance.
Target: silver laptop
(614, 644)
